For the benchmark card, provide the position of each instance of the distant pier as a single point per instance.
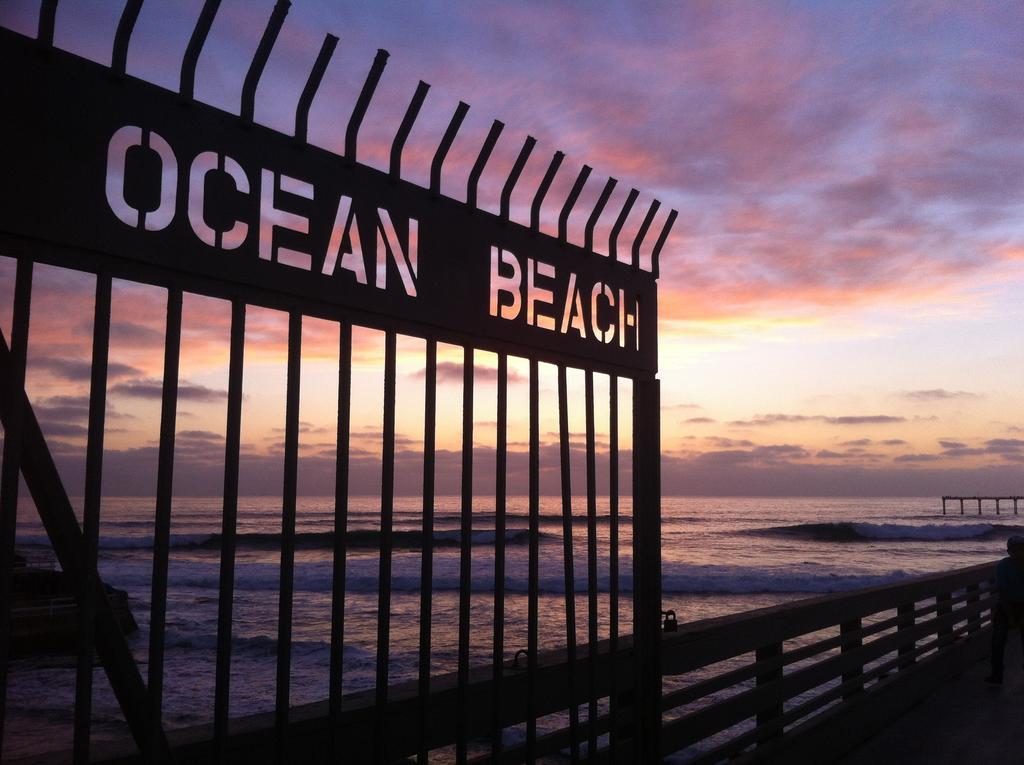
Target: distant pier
(979, 500)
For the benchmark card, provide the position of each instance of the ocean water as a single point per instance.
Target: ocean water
(720, 555)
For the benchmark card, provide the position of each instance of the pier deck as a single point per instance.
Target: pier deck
(965, 720)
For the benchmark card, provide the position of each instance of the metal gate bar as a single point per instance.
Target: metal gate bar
(500, 479)
(229, 524)
(12, 456)
(287, 582)
(465, 552)
(613, 555)
(337, 664)
(387, 500)
(162, 518)
(427, 545)
(91, 519)
(533, 565)
(568, 566)
(592, 611)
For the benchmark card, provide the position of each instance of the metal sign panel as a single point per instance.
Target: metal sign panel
(123, 168)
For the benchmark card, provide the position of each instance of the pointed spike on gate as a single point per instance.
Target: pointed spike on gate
(595, 214)
(481, 161)
(259, 59)
(570, 202)
(187, 82)
(123, 36)
(446, 144)
(513, 175)
(613, 238)
(363, 102)
(641, 234)
(542, 190)
(406, 127)
(662, 238)
(316, 76)
(47, 22)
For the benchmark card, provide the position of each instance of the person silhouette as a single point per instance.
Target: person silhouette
(1009, 611)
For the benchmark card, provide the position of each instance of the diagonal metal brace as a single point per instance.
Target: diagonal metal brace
(58, 517)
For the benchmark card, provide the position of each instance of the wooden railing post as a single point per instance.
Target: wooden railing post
(851, 642)
(974, 620)
(625, 724)
(774, 709)
(905, 614)
(943, 607)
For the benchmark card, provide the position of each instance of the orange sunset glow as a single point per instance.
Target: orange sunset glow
(839, 298)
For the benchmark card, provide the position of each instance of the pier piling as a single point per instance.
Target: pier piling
(1015, 498)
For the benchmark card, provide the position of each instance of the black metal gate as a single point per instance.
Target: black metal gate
(102, 174)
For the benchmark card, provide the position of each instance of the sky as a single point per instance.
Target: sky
(840, 299)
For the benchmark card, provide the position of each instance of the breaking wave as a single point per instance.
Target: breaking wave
(861, 532)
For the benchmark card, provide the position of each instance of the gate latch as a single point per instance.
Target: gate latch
(669, 624)
(515, 659)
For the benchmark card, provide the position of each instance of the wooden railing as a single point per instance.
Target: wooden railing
(815, 675)
(750, 684)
